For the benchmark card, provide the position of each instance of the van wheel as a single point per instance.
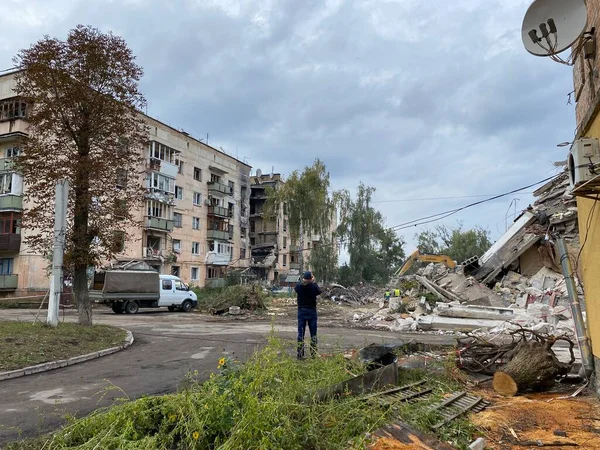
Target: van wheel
(132, 307)
(187, 306)
(118, 308)
(171, 308)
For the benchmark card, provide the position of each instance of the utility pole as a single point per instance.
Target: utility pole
(61, 196)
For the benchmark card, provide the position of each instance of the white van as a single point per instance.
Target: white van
(129, 290)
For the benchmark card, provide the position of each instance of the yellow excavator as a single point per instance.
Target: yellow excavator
(418, 256)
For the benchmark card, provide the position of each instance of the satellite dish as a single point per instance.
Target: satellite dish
(552, 26)
(258, 172)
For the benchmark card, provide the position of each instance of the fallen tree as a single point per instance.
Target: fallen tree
(527, 362)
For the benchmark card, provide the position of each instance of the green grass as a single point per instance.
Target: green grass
(266, 403)
(23, 344)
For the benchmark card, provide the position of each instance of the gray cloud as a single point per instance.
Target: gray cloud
(419, 99)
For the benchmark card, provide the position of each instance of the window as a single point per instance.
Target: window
(244, 192)
(157, 209)
(120, 208)
(285, 222)
(195, 248)
(284, 260)
(231, 209)
(5, 183)
(243, 232)
(118, 241)
(197, 174)
(196, 223)
(160, 182)
(242, 253)
(215, 178)
(176, 245)
(180, 170)
(175, 270)
(121, 177)
(231, 187)
(252, 226)
(160, 151)
(6, 266)
(10, 223)
(180, 286)
(177, 220)
(194, 273)
(12, 109)
(167, 285)
(197, 198)
(11, 152)
(178, 192)
(284, 242)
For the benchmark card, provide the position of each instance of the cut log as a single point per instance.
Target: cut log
(534, 366)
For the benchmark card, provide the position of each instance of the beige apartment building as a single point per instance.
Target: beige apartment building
(195, 217)
(277, 256)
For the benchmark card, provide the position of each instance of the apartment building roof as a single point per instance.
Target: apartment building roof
(12, 71)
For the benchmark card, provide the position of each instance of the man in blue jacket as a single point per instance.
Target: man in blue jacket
(307, 291)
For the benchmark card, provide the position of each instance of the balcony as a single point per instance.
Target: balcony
(217, 234)
(157, 223)
(215, 282)
(10, 242)
(218, 211)
(11, 201)
(217, 259)
(295, 265)
(9, 282)
(214, 187)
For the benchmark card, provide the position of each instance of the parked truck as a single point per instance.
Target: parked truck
(126, 291)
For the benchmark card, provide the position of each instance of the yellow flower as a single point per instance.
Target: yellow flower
(195, 435)
(172, 417)
(221, 363)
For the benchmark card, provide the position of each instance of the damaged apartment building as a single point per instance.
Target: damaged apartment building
(194, 220)
(277, 255)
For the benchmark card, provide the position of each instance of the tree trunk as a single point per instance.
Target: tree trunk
(534, 366)
(82, 294)
(81, 239)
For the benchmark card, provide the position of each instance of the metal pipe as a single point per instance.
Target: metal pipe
(587, 359)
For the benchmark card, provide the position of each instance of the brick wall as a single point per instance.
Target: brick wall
(585, 72)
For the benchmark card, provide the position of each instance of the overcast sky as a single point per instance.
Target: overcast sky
(419, 99)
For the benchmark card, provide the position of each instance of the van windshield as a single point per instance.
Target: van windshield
(180, 286)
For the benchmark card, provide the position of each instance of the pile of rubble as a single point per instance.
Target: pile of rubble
(446, 301)
(358, 295)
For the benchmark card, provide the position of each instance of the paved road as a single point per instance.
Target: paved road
(167, 346)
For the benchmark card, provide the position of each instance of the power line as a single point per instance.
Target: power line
(443, 215)
(440, 198)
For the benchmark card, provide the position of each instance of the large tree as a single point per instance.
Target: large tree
(83, 102)
(456, 242)
(375, 251)
(311, 209)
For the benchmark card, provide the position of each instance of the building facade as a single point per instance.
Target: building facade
(587, 95)
(277, 255)
(194, 219)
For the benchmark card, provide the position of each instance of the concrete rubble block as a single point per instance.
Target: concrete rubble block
(455, 323)
(545, 279)
(476, 312)
(522, 300)
(395, 303)
(235, 310)
(478, 444)
(561, 312)
(408, 324)
(471, 290)
(539, 310)
(512, 279)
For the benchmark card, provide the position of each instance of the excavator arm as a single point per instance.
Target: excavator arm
(417, 256)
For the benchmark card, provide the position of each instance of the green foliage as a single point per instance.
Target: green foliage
(375, 251)
(456, 242)
(267, 403)
(311, 208)
(249, 297)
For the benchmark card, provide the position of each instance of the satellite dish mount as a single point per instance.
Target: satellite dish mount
(552, 26)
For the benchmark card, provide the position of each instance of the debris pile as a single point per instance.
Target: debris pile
(357, 295)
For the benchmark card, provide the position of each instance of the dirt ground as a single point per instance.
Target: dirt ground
(536, 417)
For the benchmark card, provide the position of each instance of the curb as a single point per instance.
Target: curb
(44, 367)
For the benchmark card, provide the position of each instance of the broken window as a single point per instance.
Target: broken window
(195, 248)
(231, 187)
(176, 245)
(197, 174)
(194, 273)
(5, 183)
(12, 109)
(118, 241)
(178, 192)
(197, 198)
(177, 220)
(284, 242)
(243, 232)
(196, 223)
(242, 253)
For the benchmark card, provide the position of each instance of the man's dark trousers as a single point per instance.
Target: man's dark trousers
(307, 316)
